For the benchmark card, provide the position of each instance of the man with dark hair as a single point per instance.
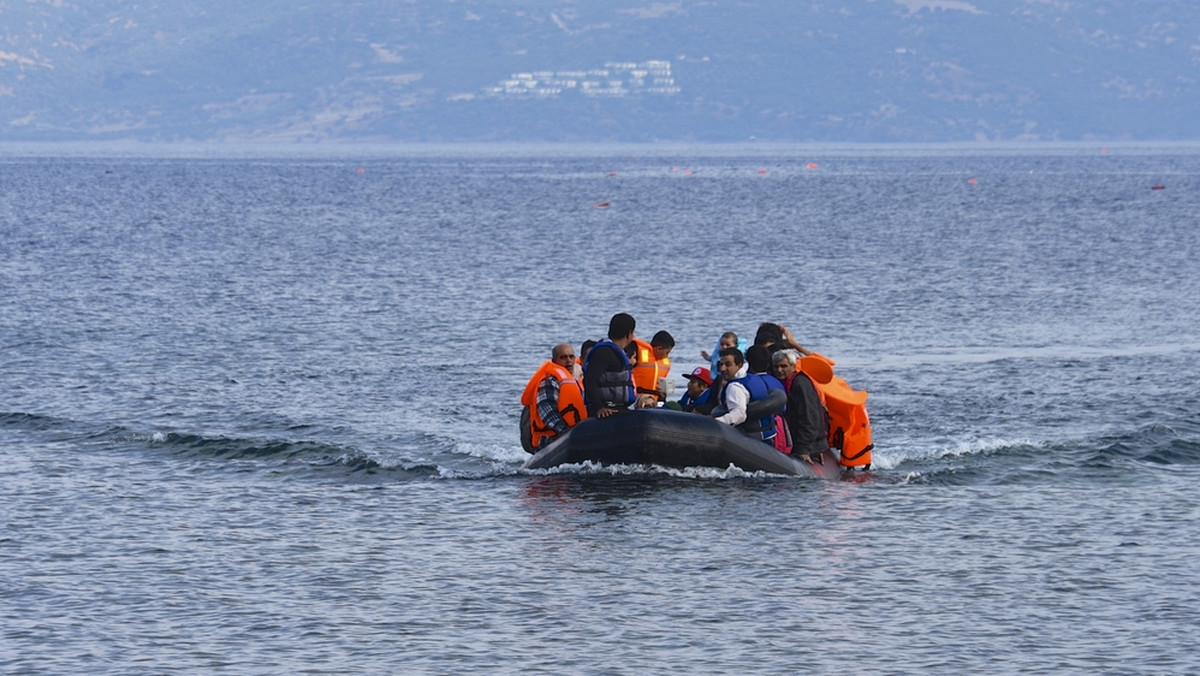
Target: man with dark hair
(607, 372)
(741, 389)
(583, 353)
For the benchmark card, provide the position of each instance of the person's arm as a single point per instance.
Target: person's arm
(737, 397)
(547, 405)
(791, 342)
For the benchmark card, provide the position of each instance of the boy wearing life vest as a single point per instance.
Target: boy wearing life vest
(553, 398)
(653, 364)
(698, 391)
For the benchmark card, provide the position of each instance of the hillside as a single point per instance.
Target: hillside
(621, 70)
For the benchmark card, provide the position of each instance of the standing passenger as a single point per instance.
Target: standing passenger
(806, 417)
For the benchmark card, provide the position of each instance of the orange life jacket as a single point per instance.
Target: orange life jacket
(570, 401)
(648, 370)
(849, 424)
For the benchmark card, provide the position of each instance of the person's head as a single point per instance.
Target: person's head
(758, 358)
(730, 362)
(768, 334)
(728, 339)
(563, 355)
(621, 326)
(663, 343)
(585, 348)
(784, 363)
(698, 381)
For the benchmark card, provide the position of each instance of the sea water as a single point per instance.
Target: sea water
(258, 410)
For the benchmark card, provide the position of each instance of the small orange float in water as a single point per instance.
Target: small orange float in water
(762, 171)
(361, 171)
(612, 173)
(602, 205)
(972, 181)
(1158, 186)
(811, 165)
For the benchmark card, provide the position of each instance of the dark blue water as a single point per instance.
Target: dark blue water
(258, 410)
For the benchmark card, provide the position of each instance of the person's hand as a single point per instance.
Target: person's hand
(704, 355)
(605, 412)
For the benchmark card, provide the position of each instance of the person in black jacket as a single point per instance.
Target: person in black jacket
(607, 373)
(806, 417)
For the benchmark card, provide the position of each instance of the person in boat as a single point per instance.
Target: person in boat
(758, 360)
(769, 339)
(727, 339)
(741, 389)
(806, 417)
(652, 365)
(699, 382)
(583, 353)
(553, 398)
(607, 372)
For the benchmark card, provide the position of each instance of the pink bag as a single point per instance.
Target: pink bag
(783, 437)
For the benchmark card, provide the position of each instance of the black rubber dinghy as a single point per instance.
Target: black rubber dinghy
(658, 436)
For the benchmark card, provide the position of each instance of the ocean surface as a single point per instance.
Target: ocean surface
(258, 410)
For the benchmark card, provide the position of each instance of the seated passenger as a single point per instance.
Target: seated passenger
(553, 399)
(741, 389)
(607, 373)
(698, 383)
(583, 353)
(652, 365)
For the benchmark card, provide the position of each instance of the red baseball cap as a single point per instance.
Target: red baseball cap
(701, 374)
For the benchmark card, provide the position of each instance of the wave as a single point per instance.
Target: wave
(31, 421)
(1115, 456)
(340, 454)
(395, 459)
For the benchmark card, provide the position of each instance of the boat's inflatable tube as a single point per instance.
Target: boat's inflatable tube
(772, 404)
(659, 436)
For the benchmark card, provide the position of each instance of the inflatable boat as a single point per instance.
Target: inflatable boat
(659, 436)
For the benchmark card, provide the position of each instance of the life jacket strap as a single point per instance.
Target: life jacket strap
(861, 453)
